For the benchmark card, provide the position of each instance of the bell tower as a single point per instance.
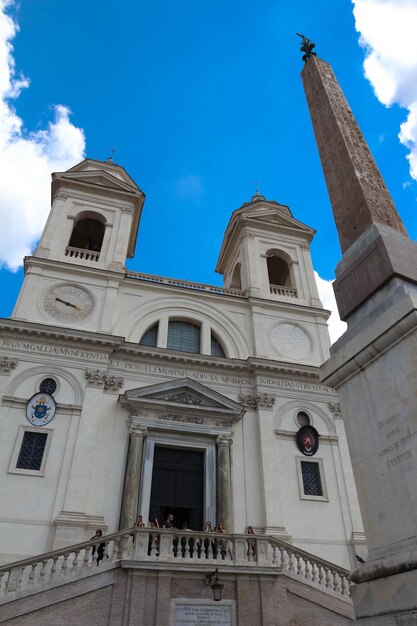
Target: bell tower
(265, 254)
(80, 259)
(94, 218)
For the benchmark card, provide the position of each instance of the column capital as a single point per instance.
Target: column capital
(135, 430)
(224, 440)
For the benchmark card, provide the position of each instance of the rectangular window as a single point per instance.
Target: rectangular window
(311, 479)
(32, 451)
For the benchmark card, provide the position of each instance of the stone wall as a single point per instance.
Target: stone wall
(138, 596)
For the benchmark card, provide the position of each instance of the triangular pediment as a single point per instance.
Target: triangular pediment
(276, 216)
(183, 392)
(98, 178)
(95, 167)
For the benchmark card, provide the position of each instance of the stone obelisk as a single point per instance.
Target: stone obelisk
(373, 366)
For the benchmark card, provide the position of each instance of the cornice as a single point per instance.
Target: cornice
(289, 306)
(162, 355)
(256, 365)
(117, 349)
(19, 329)
(66, 266)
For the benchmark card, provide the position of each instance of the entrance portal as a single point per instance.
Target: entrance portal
(178, 486)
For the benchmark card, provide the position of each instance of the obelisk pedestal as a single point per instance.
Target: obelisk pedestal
(373, 366)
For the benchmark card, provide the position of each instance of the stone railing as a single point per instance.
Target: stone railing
(169, 546)
(279, 290)
(186, 284)
(80, 253)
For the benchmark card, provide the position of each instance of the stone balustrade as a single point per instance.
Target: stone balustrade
(147, 546)
(186, 284)
(279, 290)
(80, 253)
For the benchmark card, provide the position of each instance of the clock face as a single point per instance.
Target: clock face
(68, 303)
(291, 341)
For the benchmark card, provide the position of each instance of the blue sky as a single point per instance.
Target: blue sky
(200, 100)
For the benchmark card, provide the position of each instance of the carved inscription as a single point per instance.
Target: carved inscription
(56, 350)
(397, 449)
(208, 614)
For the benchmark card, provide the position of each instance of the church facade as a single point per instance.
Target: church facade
(125, 394)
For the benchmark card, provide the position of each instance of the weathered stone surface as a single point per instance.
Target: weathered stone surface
(356, 188)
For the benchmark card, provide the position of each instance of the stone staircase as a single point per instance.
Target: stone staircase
(159, 548)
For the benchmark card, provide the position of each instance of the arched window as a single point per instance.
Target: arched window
(278, 271)
(183, 336)
(216, 347)
(88, 232)
(236, 282)
(150, 337)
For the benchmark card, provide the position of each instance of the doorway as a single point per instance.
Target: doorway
(178, 486)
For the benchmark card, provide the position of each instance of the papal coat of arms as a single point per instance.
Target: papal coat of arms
(40, 409)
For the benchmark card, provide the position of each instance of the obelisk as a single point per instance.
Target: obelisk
(373, 366)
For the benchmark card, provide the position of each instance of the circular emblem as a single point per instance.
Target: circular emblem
(40, 409)
(308, 440)
(68, 303)
(291, 341)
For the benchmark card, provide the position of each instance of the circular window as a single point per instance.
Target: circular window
(303, 419)
(48, 385)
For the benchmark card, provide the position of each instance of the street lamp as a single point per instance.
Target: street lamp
(216, 586)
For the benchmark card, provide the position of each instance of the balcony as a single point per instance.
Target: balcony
(279, 290)
(80, 253)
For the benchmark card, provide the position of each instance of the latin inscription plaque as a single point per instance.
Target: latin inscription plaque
(203, 614)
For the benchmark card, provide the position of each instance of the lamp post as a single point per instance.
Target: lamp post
(216, 586)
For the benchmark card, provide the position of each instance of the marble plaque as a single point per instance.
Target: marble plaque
(203, 614)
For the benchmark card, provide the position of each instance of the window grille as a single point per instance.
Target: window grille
(216, 348)
(48, 385)
(183, 336)
(311, 479)
(150, 337)
(31, 450)
(303, 419)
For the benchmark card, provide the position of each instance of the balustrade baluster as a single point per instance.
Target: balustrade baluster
(322, 576)
(276, 555)
(316, 572)
(285, 559)
(75, 560)
(31, 578)
(42, 572)
(337, 583)
(2, 575)
(345, 586)
(309, 571)
(53, 567)
(329, 579)
(292, 564)
(65, 564)
(300, 566)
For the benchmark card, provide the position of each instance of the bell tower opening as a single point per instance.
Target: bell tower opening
(88, 232)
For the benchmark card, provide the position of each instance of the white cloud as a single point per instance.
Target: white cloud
(388, 34)
(336, 326)
(27, 159)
